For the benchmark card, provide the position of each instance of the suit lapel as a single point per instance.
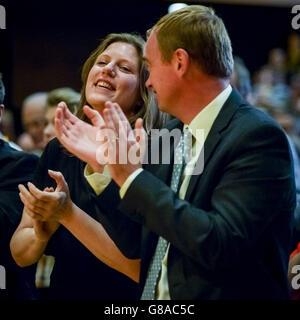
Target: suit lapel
(214, 136)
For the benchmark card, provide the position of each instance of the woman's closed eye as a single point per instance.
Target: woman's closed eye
(125, 68)
(101, 63)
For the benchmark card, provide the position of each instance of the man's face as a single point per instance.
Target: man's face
(49, 130)
(34, 122)
(162, 78)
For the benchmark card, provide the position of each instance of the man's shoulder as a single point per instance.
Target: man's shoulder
(238, 114)
(15, 165)
(9, 153)
(250, 117)
(251, 127)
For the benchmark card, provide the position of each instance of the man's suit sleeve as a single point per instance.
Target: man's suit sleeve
(255, 185)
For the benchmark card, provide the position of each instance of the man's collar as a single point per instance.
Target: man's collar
(206, 117)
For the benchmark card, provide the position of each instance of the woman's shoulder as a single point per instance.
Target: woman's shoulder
(53, 144)
(57, 155)
(55, 149)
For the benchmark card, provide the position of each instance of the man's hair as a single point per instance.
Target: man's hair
(199, 31)
(2, 90)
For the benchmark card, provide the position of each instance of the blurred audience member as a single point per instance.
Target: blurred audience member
(6, 121)
(7, 128)
(293, 53)
(268, 93)
(294, 104)
(241, 79)
(33, 119)
(15, 167)
(277, 65)
(69, 96)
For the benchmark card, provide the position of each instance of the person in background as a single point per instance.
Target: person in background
(7, 128)
(15, 167)
(241, 79)
(114, 71)
(33, 120)
(69, 96)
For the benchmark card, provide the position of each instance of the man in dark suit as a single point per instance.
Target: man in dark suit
(224, 231)
(15, 167)
(228, 228)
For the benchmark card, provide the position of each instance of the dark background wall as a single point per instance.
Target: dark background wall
(46, 42)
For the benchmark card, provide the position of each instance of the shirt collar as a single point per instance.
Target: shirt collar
(206, 117)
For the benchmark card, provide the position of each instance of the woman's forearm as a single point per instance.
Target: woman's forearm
(25, 247)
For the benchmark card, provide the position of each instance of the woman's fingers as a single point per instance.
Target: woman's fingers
(37, 193)
(67, 114)
(60, 181)
(94, 116)
(35, 216)
(34, 211)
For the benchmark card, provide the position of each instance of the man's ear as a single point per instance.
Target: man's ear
(181, 61)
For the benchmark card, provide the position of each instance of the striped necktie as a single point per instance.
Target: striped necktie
(162, 244)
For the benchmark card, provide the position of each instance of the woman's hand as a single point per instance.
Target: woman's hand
(47, 206)
(130, 145)
(45, 229)
(79, 137)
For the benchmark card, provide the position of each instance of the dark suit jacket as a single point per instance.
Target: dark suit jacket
(15, 168)
(230, 237)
